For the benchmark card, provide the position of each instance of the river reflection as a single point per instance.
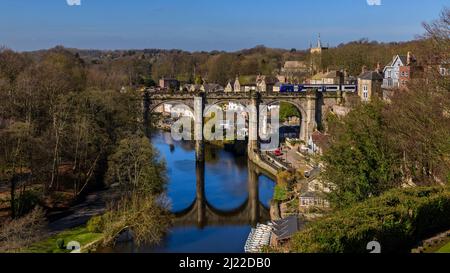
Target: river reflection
(215, 202)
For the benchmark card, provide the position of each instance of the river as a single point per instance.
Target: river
(216, 203)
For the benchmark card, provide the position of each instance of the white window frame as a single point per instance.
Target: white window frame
(365, 92)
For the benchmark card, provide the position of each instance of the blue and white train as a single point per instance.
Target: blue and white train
(293, 88)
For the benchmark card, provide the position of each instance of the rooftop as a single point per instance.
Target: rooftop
(285, 228)
(370, 75)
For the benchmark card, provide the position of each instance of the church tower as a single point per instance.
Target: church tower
(319, 49)
(316, 56)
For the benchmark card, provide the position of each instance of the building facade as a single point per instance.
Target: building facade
(168, 83)
(369, 85)
(329, 77)
(400, 71)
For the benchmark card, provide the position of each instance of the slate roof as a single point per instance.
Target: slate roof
(371, 75)
(285, 228)
(403, 59)
(327, 75)
(321, 140)
(210, 87)
(294, 64)
(332, 74)
(309, 194)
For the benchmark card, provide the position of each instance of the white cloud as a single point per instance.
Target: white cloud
(374, 2)
(73, 2)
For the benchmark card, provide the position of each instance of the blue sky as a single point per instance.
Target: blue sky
(208, 24)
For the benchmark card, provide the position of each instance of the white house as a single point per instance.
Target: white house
(399, 71)
(392, 72)
(178, 110)
(314, 196)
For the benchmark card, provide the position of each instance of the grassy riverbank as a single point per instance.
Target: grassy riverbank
(50, 245)
(444, 249)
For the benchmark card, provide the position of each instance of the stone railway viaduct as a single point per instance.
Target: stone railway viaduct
(313, 106)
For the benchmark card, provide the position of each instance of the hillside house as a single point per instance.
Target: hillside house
(400, 71)
(369, 85)
(330, 77)
(169, 84)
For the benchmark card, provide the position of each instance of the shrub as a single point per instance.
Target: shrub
(397, 219)
(23, 231)
(280, 193)
(145, 216)
(60, 243)
(94, 225)
(27, 201)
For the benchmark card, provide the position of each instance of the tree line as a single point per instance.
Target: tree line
(114, 69)
(59, 131)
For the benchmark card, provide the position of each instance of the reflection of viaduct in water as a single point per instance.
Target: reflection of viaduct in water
(202, 213)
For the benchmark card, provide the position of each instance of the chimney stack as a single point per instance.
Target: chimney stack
(364, 69)
(409, 58)
(378, 67)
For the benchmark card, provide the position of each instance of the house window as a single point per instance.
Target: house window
(389, 74)
(365, 92)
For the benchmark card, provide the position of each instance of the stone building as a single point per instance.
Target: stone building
(250, 83)
(329, 77)
(211, 88)
(293, 70)
(168, 83)
(265, 83)
(237, 85)
(229, 87)
(369, 85)
(314, 196)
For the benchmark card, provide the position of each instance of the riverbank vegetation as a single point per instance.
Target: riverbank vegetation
(62, 136)
(18, 233)
(58, 243)
(136, 172)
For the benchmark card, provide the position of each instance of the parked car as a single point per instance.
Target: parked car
(278, 152)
